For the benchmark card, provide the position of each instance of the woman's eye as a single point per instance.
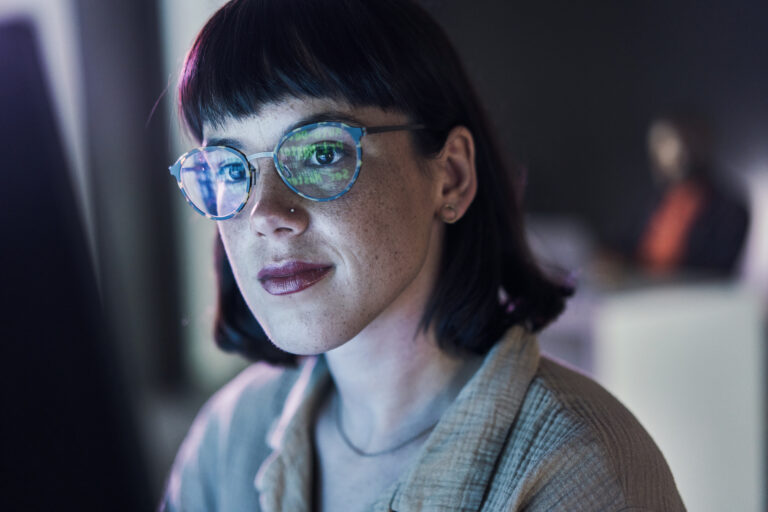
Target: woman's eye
(233, 172)
(326, 153)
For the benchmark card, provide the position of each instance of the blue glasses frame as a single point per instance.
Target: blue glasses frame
(356, 132)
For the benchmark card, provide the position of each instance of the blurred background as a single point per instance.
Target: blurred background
(639, 128)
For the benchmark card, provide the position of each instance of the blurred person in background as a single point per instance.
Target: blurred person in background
(372, 245)
(695, 222)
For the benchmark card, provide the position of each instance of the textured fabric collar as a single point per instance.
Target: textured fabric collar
(457, 462)
(454, 466)
(284, 480)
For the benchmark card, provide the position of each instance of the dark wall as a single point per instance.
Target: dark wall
(572, 87)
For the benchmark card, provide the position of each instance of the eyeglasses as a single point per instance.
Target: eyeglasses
(319, 161)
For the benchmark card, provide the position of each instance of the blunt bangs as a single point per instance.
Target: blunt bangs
(255, 52)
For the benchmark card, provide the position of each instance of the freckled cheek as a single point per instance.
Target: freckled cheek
(381, 222)
(380, 247)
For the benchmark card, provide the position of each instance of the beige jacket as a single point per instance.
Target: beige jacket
(525, 433)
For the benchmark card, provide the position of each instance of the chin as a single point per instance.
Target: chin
(307, 342)
(312, 329)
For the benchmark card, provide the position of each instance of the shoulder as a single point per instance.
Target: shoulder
(253, 398)
(228, 437)
(574, 443)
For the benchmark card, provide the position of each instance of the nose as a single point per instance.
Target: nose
(274, 210)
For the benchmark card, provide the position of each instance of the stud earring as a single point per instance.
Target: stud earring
(450, 215)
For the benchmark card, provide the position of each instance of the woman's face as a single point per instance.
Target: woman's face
(316, 274)
(668, 153)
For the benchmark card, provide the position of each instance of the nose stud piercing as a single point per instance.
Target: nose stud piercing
(292, 210)
(450, 215)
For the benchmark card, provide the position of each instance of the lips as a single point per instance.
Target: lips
(291, 277)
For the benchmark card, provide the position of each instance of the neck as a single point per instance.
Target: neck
(393, 381)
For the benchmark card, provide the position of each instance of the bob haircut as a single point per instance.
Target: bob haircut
(390, 55)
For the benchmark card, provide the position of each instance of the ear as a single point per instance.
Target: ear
(456, 175)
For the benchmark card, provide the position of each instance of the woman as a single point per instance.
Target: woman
(368, 225)
(696, 223)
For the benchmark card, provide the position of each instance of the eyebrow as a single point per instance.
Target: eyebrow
(329, 115)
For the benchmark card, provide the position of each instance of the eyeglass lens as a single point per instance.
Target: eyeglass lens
(215, 180)
(318, 162)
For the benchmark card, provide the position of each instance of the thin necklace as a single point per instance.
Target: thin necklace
(362, 453)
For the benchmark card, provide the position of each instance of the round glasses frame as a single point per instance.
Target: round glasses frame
(357, 133)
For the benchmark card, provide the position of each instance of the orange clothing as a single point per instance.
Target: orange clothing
(663, 244)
